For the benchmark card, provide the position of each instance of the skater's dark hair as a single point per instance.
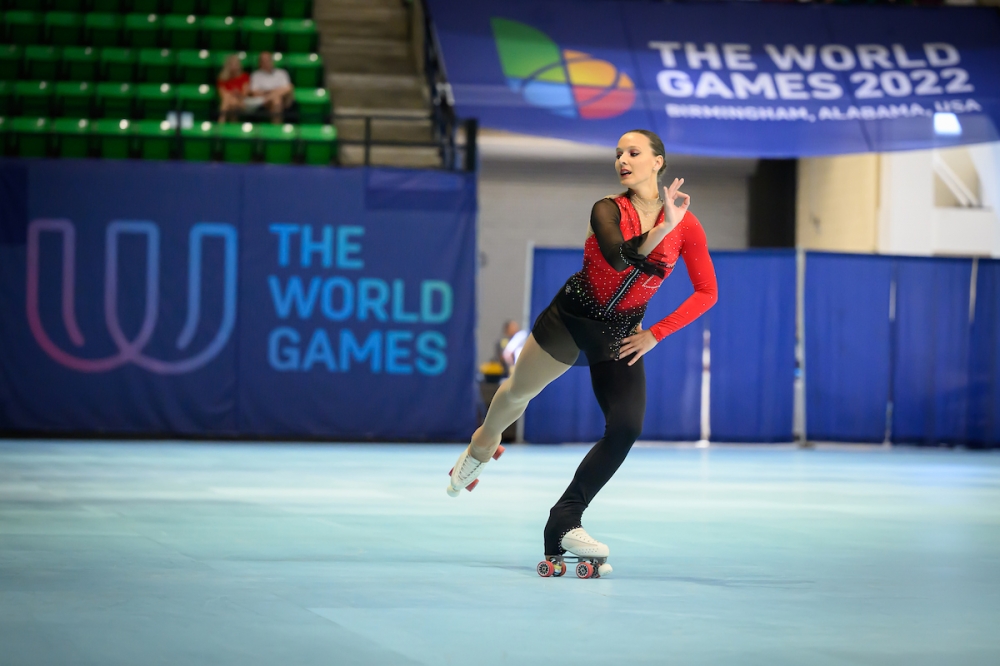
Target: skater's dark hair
(656, 144)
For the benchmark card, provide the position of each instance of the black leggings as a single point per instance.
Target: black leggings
(621, 393)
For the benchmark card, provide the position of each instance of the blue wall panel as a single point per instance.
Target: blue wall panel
(847, 346)
(753, 347)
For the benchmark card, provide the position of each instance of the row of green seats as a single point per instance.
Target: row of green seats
(125, 100)
(158, 140)
(155, 30)
(86, 63)
(280, 8)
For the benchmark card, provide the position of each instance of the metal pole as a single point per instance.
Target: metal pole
(368, 140)
(471, 129)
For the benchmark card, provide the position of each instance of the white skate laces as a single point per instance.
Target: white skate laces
(466, 471)
(581, 544)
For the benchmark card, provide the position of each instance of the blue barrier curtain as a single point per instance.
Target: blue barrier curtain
(931, 368)
(566, 411)
(984, 358)
(847, 346)
(753, 347)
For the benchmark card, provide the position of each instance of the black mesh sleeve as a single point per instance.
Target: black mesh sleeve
(605, 221)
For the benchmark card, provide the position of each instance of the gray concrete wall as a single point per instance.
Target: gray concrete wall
(544, 196)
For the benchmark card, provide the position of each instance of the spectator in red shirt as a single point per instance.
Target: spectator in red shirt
(234, 89)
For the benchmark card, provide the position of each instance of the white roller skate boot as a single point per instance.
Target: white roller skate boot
(592, 554)
(465, 473)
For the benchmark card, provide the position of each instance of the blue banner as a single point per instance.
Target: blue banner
(744, 79)
(148, 298)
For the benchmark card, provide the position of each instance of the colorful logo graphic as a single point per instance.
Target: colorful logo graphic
(567, 83)
(130, 351)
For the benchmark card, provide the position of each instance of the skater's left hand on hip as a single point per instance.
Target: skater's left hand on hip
(638, 344)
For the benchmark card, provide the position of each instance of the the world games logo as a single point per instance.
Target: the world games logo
(568, 83)
(131, 350)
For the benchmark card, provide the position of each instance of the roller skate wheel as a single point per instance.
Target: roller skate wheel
(560, 568)
(545, 569)
(604, 569)
(498, 452)
(451, 471)
(584, 570)
(472, 486)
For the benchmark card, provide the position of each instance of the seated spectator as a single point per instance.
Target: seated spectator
(272, 86)
(234, 89)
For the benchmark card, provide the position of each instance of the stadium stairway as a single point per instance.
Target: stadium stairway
(372, 53)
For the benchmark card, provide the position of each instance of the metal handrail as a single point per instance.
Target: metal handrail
(449, 151)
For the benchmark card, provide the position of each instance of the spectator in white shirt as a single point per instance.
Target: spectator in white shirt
(272, 85)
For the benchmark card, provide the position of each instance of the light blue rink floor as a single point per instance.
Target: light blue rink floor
(190, 554)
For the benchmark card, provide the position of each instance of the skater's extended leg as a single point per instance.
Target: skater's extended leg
(534, 370)
(621, 393)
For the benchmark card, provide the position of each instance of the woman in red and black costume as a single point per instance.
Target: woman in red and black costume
(634, 241)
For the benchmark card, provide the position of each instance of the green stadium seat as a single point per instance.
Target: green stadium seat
(145, 6)
(103, 29)
(64, 28)
(199, 99)
(80, 63)
(6, 98)
(182, 32)
(221, 7)
(237, 141)
(118, 64)
(314, 105)
(69, 5)
(34, 98)
(29, 136)
(142, 31)
(22, 27)
(156, 139)
(299, 9)
(115, 100)
(112, 137)
(260, 34)
(197, 143)
(196, 67)
(278, 143)
(70, 137)
(297, 35)
(257, 7)
(305, 69)
(108, 6)
(319, 143)
(184, 7)
(154, 100)
(10, 61)
(221, 33)
(156, 65)
(41, 63)
(75, 99)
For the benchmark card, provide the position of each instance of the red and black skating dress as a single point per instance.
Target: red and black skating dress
(604, 302)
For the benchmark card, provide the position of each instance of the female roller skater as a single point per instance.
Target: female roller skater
(633, 244)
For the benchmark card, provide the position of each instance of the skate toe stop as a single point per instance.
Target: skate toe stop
(452, 492)
(604, 569)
